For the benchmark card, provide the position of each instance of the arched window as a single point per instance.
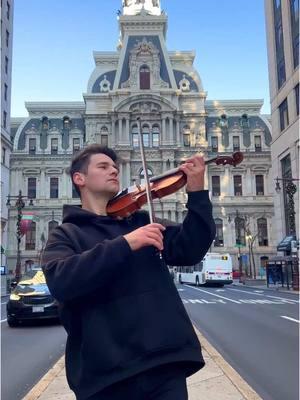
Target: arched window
(223, 122)
(262, 229)
(135, 136)
(144, 77)
(146, 135)
(142, 175)
(245, 121)
(219, 239)
(51, 225)
(155, 136)
(240, 234)
(30, 239)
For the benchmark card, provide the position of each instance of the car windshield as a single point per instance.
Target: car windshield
(33, 277)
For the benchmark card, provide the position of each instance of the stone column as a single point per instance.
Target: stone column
(177, 132)
(171, 129)
(127, 179)
(120, 136)
(164, 133)
(113, 131)
(127, 133)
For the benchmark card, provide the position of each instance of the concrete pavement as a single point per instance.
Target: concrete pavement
(216, 381)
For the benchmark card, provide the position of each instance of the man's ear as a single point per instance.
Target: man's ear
(79, 179)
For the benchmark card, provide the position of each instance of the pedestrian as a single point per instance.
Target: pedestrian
(128, 334)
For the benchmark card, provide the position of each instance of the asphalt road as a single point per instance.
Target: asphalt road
(256, 331)
(28, 352)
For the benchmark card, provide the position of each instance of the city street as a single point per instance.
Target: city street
(28, 352)
(256, 331)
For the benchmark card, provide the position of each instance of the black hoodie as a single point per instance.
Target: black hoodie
(120, 308)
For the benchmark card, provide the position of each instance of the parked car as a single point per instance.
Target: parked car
(31, 299)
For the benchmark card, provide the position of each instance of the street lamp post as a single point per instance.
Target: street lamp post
(290, 189)
(20, 204)
(238, 220)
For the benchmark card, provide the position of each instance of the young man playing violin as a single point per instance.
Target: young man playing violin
(129, 336)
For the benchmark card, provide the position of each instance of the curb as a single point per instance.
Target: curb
(45, 381)
(241, 385)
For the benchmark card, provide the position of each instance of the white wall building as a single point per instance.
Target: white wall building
(282, 26)
(143, 79)
(6, 144)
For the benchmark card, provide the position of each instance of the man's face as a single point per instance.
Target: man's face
(102, 176)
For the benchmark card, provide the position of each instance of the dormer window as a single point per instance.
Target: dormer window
(45, 123)
(54, 146)
(257, 143)
(32, 146)
(245, 121)
(144, 77)
(66, 122)
(223, 121)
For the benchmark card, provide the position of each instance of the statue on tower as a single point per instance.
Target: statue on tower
(134, 7)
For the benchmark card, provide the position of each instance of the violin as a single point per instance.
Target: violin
(132, 199)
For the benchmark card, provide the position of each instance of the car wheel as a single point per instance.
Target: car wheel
(180, 281)
(197, 281)
(12, 323)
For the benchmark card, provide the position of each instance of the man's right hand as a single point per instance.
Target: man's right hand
(148, 235)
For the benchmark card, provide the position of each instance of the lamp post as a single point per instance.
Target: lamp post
(20, 204)
(238, 219)
(290, 189)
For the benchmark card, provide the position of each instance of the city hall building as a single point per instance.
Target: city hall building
(143, 79)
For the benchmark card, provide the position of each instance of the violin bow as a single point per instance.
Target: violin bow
(146, 176)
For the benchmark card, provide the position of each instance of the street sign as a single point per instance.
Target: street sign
(239, 245)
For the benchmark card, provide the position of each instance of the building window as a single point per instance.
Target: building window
(240, 231)
(262, 229)
(219, 239)
(31, 188)
(142, 175)
(32, 146)
(30, 237)
(54, 146)
(245, 121)
(155, 136)
(6, 65)
(7, 38)
(214, 144)
(257, 143)
(222, 121)
(135, 136)
(284, 115)
(76, 145)
(75, 194)
(236, 143)
(53, 188)
(259, 180)
(3, 159)
(297, 98)
(144, 77)
(237, 182)
(186, 140)
(280, 61)
(294, 6)
(146, 136)
(5, 91)
(52, 225)
(216, 190)
(104, 140)
(4, 119)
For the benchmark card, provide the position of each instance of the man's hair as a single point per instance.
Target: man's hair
(81, 160)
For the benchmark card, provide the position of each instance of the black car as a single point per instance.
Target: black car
(31, 300)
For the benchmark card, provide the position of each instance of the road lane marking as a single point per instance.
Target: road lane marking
(180, 290)
(291, 319)
(289, 301)
(212, 294)
(3, 320)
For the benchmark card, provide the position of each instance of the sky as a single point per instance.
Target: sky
(54, 40)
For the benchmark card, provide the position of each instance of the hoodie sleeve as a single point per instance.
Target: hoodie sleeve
(70, 275)
(187, 243)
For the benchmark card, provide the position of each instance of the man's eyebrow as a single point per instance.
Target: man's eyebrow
(107, 163)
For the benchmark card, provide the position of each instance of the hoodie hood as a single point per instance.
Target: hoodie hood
(76, 215)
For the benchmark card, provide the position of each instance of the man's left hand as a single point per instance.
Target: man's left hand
(194, 168)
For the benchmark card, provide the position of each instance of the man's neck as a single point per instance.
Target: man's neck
(97, 206)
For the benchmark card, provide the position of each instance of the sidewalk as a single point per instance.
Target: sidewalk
(216, 381)
(276, 288)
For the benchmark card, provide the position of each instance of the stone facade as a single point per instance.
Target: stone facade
(142, 79)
